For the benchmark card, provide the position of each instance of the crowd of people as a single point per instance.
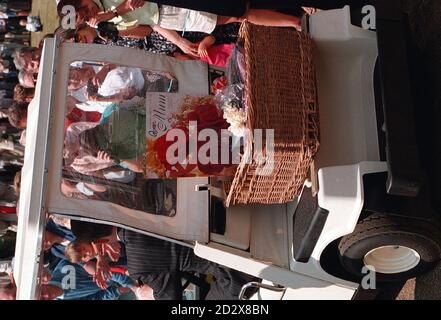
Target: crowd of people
(18, 63)
(18, 66)
(110, 262)
(18, 72)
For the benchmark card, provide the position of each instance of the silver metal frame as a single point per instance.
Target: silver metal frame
(26, 290)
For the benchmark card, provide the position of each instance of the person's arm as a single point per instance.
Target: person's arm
(99, 98)
(99, 78)
(136, 32)
(96, 187)
(133, 165)
(98, 247)
(102, 273)
(129, 5)
(101, 17)
(204, 45)
(118, 97)
(123, 8)
(171, 35)
(120, 278)
(23, 13)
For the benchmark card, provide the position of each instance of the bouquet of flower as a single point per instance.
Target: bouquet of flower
(229, 99)
(195, 116)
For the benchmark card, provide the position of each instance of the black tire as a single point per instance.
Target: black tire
(381, 230)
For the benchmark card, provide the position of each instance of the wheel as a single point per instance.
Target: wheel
(397, 248)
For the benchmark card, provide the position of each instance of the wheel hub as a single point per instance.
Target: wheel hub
(392, 259)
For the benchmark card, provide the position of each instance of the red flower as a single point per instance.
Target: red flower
(162, 145)
(206, 116)
(219, 84)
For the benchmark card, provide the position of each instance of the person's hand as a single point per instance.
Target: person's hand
(310, 10)
(7, 144)
(202, 50)
(100, 17)
(134, 4)
(298, 25)
(112, 250)
(189, 48)
(99, 78)
(144, 292)
(102, 273)
(104, 156)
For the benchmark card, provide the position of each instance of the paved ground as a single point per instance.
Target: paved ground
(422, 288)
(47, 11)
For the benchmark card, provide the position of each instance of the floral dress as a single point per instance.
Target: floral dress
(156, 43)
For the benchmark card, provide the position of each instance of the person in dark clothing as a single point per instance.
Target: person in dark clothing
(159, 264)
(7, 243)
(16, 5)
(15, 24)
(89, 232)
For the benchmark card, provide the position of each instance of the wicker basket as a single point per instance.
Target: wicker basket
(280, 95)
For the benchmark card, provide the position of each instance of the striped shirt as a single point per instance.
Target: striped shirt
(160, 264)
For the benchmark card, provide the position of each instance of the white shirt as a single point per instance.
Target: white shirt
(181, 19)
(120, 79)
(81, 187)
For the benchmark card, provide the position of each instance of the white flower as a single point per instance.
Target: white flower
(237, 118)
